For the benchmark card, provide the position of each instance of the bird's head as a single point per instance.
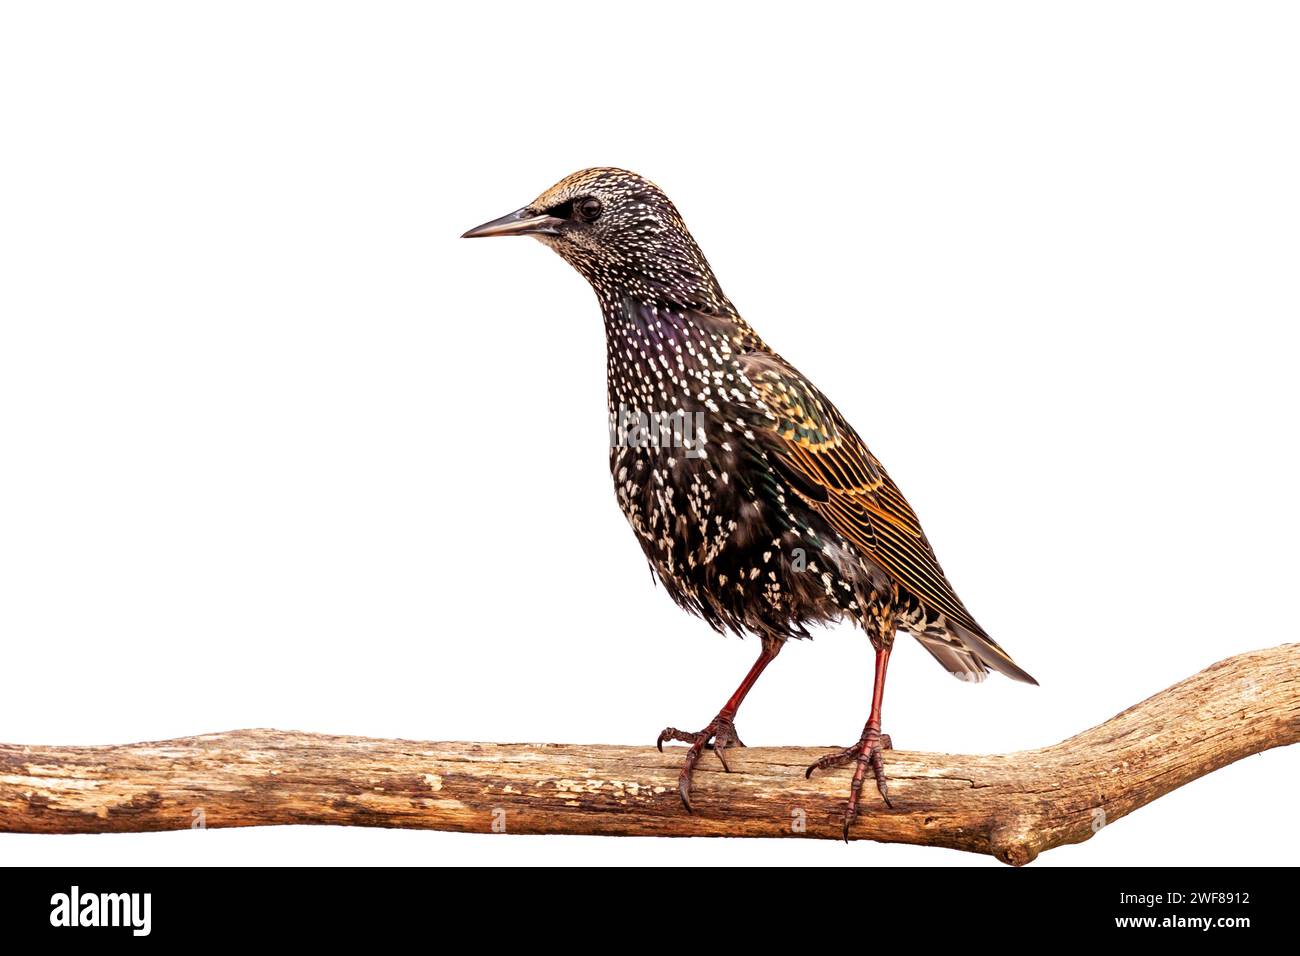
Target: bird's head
(622, 233)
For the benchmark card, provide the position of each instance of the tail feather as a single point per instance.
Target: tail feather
(956, 660)
(969, 655)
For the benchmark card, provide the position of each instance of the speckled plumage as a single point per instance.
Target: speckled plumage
(767, 513)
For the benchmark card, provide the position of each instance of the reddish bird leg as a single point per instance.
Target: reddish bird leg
(721, 731)
(866, 752)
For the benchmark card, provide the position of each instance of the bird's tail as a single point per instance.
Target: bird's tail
(969, 655)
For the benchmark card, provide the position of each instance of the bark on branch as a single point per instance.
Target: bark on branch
(1013, 806)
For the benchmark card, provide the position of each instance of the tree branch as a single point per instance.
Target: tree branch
(1013, 806)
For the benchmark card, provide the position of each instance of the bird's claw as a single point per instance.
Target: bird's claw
(864, 754)
(718, 736)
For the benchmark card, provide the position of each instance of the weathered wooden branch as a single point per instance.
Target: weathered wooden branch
(1013, 806)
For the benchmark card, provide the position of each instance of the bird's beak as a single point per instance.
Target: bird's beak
(521, 222)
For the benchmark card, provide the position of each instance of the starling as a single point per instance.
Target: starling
(756, 503)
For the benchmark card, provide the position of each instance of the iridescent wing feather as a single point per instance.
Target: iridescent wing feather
(822, 459)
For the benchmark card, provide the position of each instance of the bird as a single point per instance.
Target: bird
(758, 506)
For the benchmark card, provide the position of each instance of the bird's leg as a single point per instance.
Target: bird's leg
(866, 752)
(721, 731)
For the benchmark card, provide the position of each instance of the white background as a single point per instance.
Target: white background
(278, 449)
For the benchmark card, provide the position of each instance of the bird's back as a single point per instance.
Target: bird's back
(778, 515)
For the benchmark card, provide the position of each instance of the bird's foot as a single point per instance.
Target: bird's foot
(718, 736)
(864, 754)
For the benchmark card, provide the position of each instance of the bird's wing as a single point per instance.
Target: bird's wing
(822, 459)
(826, 462)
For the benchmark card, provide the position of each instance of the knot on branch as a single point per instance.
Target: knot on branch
(1014, 842)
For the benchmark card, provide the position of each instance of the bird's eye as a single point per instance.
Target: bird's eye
(589, 209)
